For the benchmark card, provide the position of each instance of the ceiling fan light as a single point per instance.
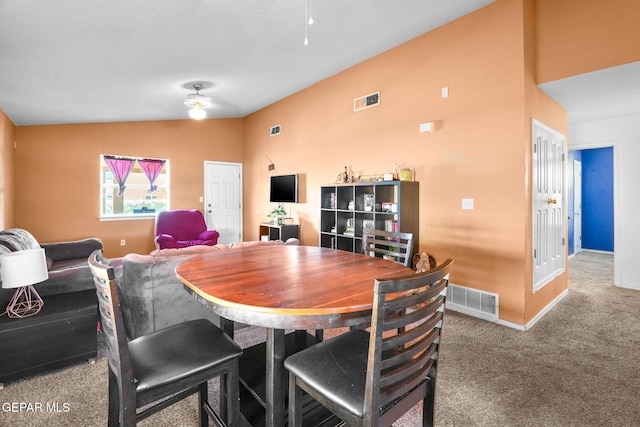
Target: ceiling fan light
(197, 113)
(197, 103)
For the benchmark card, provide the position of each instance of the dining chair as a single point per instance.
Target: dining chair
(373, 378)
(157, 370)
(395, 245)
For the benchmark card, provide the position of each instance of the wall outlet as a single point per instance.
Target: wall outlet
(123, 242)
(467, 204)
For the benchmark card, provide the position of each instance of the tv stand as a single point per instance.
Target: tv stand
(279, 232)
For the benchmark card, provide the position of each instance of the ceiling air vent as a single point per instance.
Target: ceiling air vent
(366, 101)
(275, 130)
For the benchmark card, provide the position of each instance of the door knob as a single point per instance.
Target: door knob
(551, 201)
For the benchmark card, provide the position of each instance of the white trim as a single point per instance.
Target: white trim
(548, 308)
(541, 125)
(535, 124)
(529, 325)
(634, 287)
(597, 251)
(127, 217)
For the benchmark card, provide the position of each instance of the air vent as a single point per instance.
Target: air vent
(472, 301)
(366, 101)
(275, 130)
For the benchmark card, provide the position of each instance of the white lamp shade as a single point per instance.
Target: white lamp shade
(23, 268)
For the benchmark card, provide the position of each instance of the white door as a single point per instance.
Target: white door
(223, 200)
(548, 192)
(577, 206)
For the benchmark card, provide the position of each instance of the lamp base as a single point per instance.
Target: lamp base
(25, 302)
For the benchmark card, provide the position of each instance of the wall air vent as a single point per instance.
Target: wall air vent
(366, 101)
(472, 301)
(275, 130)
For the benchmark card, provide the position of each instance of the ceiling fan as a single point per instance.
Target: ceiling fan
(197, 103)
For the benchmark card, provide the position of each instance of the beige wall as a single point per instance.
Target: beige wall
(480, 148)
(579, 36)
(57, 167)
(7, 137)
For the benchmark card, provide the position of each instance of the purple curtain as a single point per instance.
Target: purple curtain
(151, 169)
(120, 167)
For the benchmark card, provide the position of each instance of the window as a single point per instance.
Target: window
(133, 187)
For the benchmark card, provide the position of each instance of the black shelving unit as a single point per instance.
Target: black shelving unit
(347, 210)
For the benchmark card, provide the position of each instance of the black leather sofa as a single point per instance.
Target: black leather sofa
(64, 331)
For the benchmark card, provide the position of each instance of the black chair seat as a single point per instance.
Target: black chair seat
(370, 379)
(154, 371)
(178, 352)
(342, 378)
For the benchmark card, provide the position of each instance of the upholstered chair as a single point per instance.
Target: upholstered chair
(183, 228)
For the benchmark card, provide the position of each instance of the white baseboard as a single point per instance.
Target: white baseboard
(597, 251)
(548, 308)
(526, 327)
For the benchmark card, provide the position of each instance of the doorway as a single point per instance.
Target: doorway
(223, 200)
(591, 227)
(577, 208)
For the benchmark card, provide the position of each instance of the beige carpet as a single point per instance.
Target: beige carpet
(578, 366)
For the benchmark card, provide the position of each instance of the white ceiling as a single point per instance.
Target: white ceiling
(89, 61)
(84, 61)
(598, 95)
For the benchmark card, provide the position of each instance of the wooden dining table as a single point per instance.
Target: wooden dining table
(283, 288)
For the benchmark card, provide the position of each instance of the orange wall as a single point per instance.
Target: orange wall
(580, 36)
(491, 61)
(480, 148)
(7, 137)
(57, 167)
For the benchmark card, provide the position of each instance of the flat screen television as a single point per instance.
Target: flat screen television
(284, 189)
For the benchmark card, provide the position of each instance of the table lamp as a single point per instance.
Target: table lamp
(22, 269)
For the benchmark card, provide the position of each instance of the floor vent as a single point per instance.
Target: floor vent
(460, 298)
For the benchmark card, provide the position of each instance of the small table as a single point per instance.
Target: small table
(282, 232)
(285, 287)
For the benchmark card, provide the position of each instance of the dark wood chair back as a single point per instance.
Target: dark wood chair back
(156, 370)
(402, 367)
(113, 328)
(373, 378)
(394, 245)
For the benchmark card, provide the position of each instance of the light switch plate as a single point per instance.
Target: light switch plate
(467, 204)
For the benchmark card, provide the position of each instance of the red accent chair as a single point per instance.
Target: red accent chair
(183, 228)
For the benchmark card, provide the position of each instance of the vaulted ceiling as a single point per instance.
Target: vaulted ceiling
(122, 60)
